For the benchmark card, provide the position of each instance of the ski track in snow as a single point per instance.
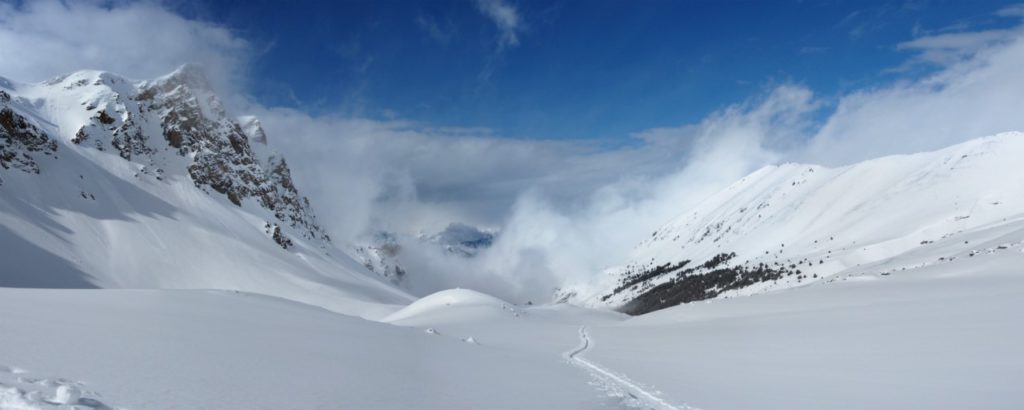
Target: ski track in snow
(636, 396)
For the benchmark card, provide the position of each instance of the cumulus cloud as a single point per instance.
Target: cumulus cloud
(565, 210)
(418, 179)
(571, 243)
(44, 38)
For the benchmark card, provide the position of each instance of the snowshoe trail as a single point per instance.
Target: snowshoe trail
(618, 385)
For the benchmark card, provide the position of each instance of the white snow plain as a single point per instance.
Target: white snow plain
(942, 336)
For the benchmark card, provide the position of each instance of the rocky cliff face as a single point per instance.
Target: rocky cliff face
(174, 124)
(20, 141)
(380, 256)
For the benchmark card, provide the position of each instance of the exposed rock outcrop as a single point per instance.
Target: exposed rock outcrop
(20, 141)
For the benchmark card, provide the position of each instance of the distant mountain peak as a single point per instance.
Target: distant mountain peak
(463, 239)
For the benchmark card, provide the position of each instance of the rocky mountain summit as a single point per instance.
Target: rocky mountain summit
(174, 124)
(107, 182)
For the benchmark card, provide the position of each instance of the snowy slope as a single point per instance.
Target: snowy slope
(940, 336)
(151, 184)
(943, 336)
(788, 225)
(160, 349)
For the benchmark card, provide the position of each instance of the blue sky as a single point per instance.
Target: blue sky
(577, 69)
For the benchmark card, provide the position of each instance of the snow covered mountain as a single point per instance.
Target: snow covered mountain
(113, 183)
(463, 240)
(380, 256)
(790, 225)
(382, 252)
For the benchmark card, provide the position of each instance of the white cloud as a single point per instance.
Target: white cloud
(566, 209)
(414, 178)
(505, 17)
(41, 39)
(974, 96)
(1016, 10)
(949, 48)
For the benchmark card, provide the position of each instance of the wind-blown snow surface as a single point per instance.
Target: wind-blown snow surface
(152, 349)
(941, 336)
(127, 202)
(812, 223)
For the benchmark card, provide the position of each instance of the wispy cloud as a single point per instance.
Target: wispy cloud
(505, 17)
(1016, 10)
(509, 23)
(948, 48)
(955, 43)
(443, 34)
(861, 23)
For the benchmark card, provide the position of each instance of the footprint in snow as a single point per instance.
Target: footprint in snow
(10, 369)
(44, 393)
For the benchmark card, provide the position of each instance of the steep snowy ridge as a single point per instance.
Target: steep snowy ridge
(109, 182)
(789, 225)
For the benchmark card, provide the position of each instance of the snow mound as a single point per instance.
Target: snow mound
(447, 300)
(67, 395)
(20, 390)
